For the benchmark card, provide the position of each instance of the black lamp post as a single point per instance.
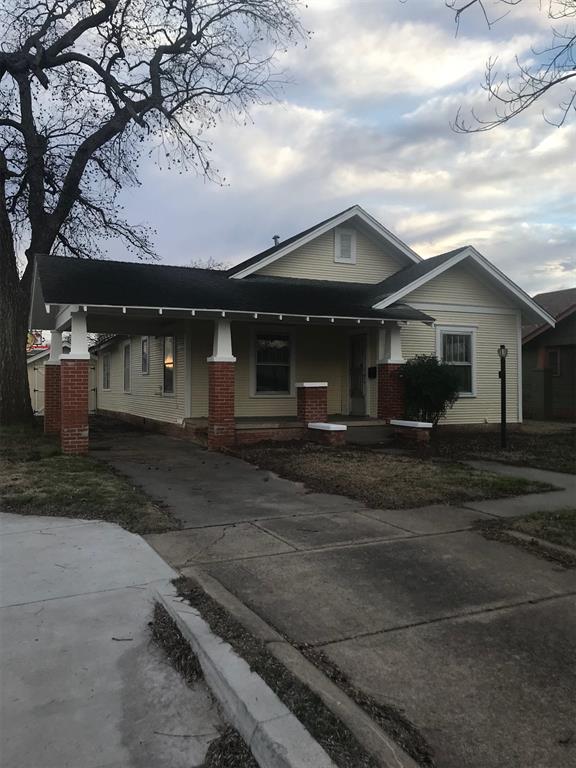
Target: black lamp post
(502, 352)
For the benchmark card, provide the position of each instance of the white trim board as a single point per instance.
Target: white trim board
(337, 221)
(472, 309)
(469, 253)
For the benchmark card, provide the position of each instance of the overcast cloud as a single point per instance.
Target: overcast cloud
(366, 120)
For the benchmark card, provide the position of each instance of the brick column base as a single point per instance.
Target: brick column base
(390, 391)
(221, 426)
(52, 399)
(312, 402)
(74, 405)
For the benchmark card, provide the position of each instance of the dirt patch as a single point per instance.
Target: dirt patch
(381, 480)
(335, 738)
(229, 751)
(503, 531)
(168, 637)
(552, 450)
(36, 479)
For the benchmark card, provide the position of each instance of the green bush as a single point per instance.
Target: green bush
(430, 388)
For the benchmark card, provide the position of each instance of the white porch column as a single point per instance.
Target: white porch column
(222, 346)
(79, 338)
(55, 348)
(390, 345)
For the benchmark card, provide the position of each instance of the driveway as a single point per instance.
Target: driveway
(473, 640)
(81, 683)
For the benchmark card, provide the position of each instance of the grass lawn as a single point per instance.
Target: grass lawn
(36, 479)
(383, 480)
(557, 527)
(553, 449)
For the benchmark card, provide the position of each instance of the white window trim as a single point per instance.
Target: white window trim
(271, 395)
(468, 329)
(129, 390)
(145, 371)
(337, 257)
(169, 336)
(107, 356)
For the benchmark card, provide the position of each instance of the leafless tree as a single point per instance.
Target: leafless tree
(552, 67)
(85, 85)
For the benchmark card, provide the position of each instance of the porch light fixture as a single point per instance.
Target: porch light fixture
(502, 354)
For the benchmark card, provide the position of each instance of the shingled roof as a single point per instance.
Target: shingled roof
(559, 304)
(143, 285)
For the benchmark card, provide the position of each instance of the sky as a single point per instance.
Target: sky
(365, 118)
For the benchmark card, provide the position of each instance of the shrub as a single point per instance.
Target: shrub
(430, 388)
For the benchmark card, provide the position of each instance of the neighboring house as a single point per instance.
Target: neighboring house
(36, 379)
(549, 359)
(316, 326)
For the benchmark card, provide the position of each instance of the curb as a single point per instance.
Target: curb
(375, 741)
(275, 736)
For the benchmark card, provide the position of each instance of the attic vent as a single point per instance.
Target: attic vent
(345, 246)
(276, 239)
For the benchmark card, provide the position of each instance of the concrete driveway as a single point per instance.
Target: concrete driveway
(81, 683)
(473, 640)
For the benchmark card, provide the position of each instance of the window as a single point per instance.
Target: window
(106, 371)
(127, 367)
(456, 347)
(168, 365)
(145, 367)
(345, 246)
(553, 361)
(273, 362)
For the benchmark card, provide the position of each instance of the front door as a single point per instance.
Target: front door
(358, 345)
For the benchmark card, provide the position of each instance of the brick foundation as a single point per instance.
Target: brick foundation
(390, 391)
(325, 437)
(276, 434)
(74, 405)
(52, 399)
(221, 427)
(312, 403)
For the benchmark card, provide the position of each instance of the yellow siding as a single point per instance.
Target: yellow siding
(146, 398)
(459, 285)
(492, 330)
(315, 261)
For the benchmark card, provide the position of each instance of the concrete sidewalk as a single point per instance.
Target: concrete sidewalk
(81, 683)
(472, 640)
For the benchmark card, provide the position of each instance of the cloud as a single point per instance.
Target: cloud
(368, 121)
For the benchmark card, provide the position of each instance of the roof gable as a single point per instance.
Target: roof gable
(398, 286)
(355, 214)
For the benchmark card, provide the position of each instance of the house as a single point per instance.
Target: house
(314, 329)
(36, 362)
(549, 359)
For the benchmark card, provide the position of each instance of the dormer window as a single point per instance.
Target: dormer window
(345, 246)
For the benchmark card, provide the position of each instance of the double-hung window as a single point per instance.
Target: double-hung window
(553, 360)
(127, 367)
(144, 355)
(168, 365)
(456, 347)
(106, 371)
(273, 364)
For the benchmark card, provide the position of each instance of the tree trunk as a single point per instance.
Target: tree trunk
(15, 404)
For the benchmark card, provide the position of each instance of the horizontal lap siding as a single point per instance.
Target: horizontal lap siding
(146, 398)
(460, 285)
(315, 261)
(492, 331)
(319, 355)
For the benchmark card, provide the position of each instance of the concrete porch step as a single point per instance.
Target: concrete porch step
(369, 435)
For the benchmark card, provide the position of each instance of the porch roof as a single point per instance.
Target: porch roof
(68, 281)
